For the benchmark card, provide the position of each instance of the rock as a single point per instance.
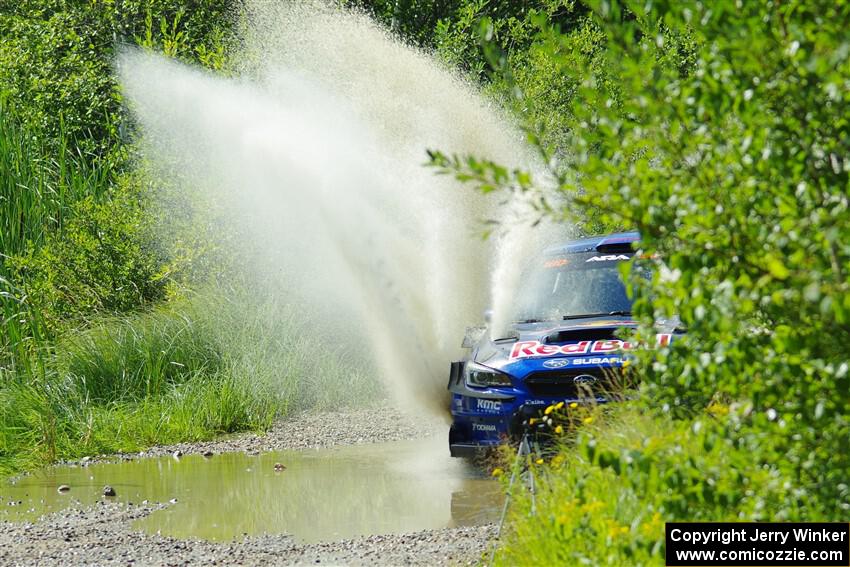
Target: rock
(177, 454)
(85, 459)
(279, 467)
(173, 501)
(63, 488)
(207, 454)
(108, 491)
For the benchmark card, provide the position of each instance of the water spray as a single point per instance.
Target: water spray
(316, 150)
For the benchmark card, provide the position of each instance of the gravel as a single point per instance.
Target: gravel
(102, 534)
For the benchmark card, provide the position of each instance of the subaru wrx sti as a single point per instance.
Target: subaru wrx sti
(561, 344)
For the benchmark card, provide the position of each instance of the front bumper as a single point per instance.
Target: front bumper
(483, 419)
(480, 424)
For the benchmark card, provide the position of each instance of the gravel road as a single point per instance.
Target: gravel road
(103, 535)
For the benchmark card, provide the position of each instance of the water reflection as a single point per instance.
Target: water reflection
(321, 495)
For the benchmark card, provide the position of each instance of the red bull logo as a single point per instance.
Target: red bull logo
(528, 349)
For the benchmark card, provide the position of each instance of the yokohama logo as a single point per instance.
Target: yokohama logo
(529, 349)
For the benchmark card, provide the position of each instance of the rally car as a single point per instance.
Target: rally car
(561, 344)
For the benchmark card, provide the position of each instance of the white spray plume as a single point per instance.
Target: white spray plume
(318, 150)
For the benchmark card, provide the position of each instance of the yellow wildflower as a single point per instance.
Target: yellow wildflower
(497, 472)
(573, 405)
(549, 410)
(588, 420)
(559, 429)
(539, 461)
(717, 409)
(532, 421)
(653, 527)
(591, 506)
(615, 530)
(559, 405)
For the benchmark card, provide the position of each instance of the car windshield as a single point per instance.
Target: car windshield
(571, 286)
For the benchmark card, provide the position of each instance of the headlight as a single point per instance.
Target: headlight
(479, 376)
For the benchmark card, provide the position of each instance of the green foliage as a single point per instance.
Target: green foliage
(477, 28)
(733, 174)
(604, 499)
(528, 56)
(21, 330)
(90, 361)
(77, 243)
(75, 236)
(187, 371)
(52, 69)
(56, 59)
(37, 188)
(62, 148)
(103, 261)
(413, 20)
(718, 132)
(38, 192)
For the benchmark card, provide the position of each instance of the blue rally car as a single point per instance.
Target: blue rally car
(560, 346)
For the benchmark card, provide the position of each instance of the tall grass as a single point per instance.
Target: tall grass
(37, 191)
(38, 186)
(187, 371)
(21, 332)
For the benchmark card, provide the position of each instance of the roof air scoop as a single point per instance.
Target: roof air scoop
(618, 243)
(615, 248)
(598, 334)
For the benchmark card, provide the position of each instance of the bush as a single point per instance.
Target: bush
(719, 133)
(103, 261)
(56, 59)
(62, 154)
(747, 205)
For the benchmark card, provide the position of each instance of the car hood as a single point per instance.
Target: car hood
(558, 345)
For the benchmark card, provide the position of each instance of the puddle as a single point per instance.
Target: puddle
(322, 495)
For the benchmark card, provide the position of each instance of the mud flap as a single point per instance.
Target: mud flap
(455, 376)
